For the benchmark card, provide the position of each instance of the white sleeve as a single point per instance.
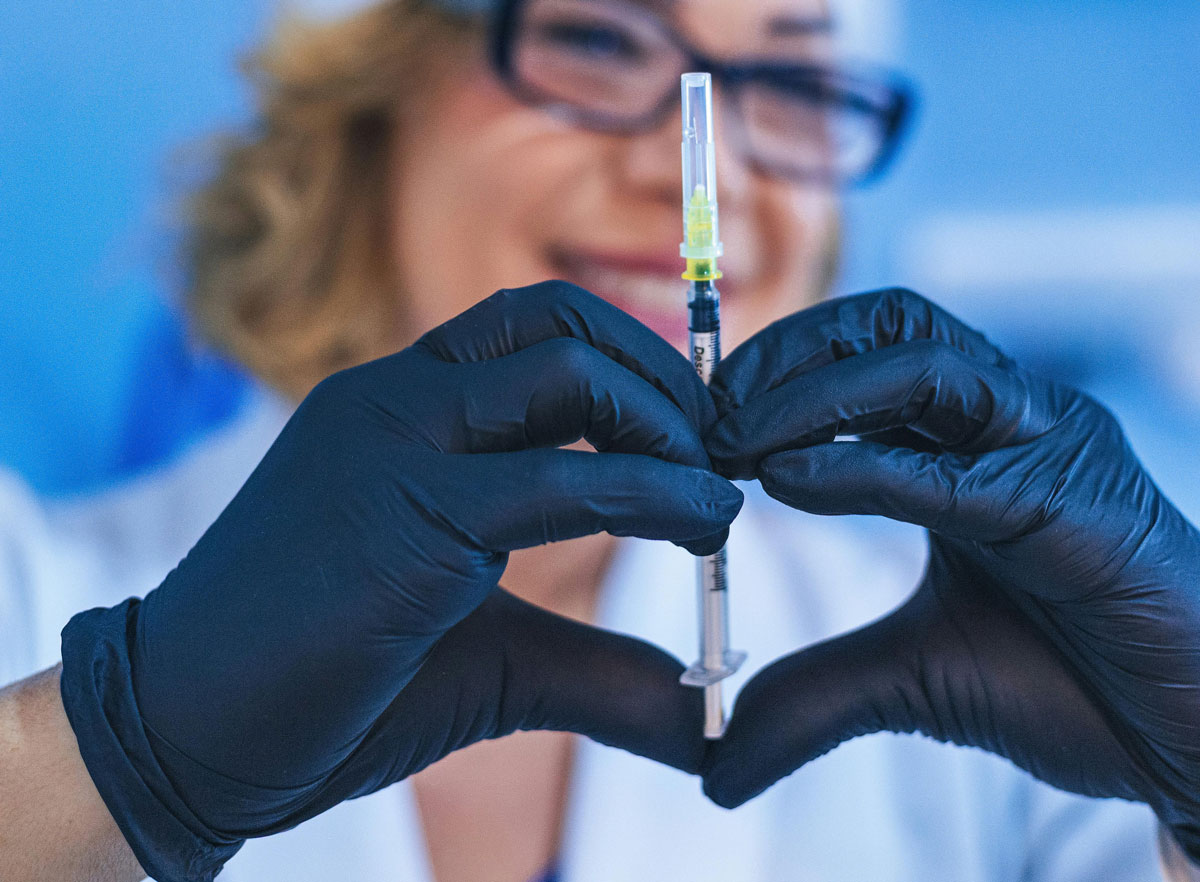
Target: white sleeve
(59, 557)
(47, 574)
(1176, 865)
(22, 556)
(1072, 838)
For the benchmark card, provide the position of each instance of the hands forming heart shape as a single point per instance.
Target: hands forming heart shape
(340, 626)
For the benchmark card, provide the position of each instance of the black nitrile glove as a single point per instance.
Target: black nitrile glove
(339, 627)
(1058, 623)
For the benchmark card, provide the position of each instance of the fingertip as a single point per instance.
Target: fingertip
(821, 480)
(724, 399)
(724, 452)
(721, 793)
(781, 475)
(725, 496)
(791, 467)
(706, 546)
(720, 502)
(730, 764)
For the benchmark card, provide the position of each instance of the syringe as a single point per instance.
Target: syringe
(700, 248)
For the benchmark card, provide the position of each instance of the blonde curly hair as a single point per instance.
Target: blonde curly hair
(285, 247)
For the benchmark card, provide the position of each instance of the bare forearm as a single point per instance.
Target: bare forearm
(53, 824)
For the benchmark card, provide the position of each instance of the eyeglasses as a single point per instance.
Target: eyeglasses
(612, 66)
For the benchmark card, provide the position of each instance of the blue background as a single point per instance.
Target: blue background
(1085, 110)
(96, 100)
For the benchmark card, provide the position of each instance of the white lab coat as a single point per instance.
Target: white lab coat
(894, 808)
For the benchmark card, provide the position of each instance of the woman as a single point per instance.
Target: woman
(408, 162)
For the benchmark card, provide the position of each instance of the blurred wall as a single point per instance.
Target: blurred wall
(95, 96)
(1050, 193)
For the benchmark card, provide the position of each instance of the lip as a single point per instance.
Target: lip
(664, 262)
(647, 285)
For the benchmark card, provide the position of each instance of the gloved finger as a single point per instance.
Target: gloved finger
(834, 330)
(946, 493)
(803, 706)
(705, 545)
(510, 665)
(949, 397)
(968, 670)
(556, 392)
(615, 689)
(513, 319)
(903, 437)
(546, 495)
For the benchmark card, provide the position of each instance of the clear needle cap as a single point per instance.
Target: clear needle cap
(701, 238)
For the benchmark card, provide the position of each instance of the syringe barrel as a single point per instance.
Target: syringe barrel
(713, 599)
(704, 327)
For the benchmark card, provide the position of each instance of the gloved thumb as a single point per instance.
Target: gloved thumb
(961, 666)
(803, 706)
(616, 689)
(510, 665)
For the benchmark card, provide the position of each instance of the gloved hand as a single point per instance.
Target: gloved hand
(339, 627)
(1058, 622)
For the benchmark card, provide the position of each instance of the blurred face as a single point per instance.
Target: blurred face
(488, 193)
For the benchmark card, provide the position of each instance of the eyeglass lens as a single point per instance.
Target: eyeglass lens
(608, 58)
(613, 65)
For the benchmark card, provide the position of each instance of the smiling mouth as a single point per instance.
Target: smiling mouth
(647, 287)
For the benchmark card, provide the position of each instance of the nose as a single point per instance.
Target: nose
(650, 161)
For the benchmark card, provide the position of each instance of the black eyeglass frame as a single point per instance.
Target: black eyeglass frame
(894, 113)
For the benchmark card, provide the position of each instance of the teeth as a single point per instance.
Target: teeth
(657, 291)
